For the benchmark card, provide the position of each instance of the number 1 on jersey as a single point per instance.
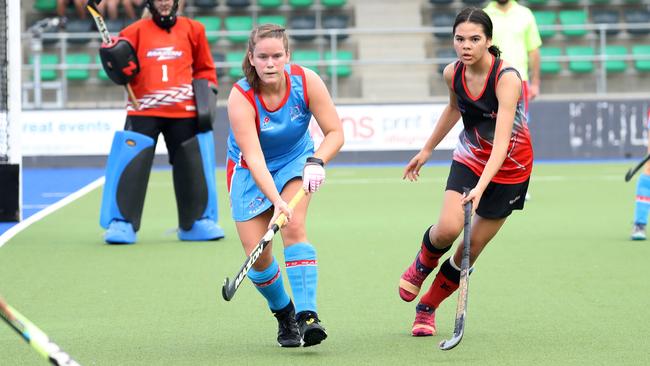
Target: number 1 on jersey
(164, 73)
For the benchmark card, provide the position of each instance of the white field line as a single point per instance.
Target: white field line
(7, 235)
(399, 180)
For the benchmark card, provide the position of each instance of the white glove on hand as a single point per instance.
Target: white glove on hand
(313, 175)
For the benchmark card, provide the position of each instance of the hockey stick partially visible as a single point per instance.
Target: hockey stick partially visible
(229, 288)
(91, 5)
(461, 308)
(630, 173)
(35, 337)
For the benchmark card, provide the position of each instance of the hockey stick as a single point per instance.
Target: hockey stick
(35, 337)
(229, 288)
(630, 173)
(91, 5)
(461, 308)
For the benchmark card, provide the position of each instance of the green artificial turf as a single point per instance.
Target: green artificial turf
(561, 284)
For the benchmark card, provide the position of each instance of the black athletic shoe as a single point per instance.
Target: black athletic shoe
(310, 329)
(288, 333)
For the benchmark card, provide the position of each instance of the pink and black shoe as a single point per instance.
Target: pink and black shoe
(412, 278)
(425, 321)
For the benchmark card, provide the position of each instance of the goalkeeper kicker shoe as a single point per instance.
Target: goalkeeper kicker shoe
(202, 230)
(425, 321)
(288, 333)
(638, 232)
(119, 232)
(412, 278)
(310, 329)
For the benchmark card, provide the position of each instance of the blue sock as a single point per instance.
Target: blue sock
(302, 271)
(642, 205)
(269, 283)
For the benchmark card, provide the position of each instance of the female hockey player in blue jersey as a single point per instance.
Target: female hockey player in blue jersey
(269, 150)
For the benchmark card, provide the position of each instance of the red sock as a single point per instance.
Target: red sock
(443, 286)
(429, 255)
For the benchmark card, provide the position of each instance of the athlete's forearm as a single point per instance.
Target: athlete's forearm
(263, 179)
(330, 146)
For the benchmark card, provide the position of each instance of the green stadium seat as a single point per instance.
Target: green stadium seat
(280, 20)
(239, 23)
(237, 57)
(642, 50)
(306, 58)
(45, 5)
(615, 65)
(333, 3)
(301, 3)
(573, 17)
(569, 1)
(340, 70)
(268, 4)
(101, 74)
(238, 4)
(444, 20)
(302, 22)
(47, 59)
(211, 24)
(537, 2)
(545, 18)
(637, 16)
(550, 66)
(606, 16)
(78, 59)
(580, 66)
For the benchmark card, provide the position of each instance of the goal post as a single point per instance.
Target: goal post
(10, 109)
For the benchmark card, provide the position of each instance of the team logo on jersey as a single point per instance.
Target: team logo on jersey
(255, 205)
(295, 112)
(492, 115)
(165, 53)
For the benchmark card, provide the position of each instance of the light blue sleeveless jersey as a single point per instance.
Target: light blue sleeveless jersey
(283, 132)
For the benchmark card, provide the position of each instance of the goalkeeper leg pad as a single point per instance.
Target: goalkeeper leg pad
(196, 189)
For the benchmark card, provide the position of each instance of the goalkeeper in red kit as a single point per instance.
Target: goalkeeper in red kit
(166, 60)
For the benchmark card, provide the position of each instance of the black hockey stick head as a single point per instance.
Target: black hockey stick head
(228, 290)
(629, 174)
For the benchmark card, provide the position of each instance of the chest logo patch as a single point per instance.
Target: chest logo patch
(164, 53)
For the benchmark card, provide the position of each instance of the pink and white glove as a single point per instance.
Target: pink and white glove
(313, 174)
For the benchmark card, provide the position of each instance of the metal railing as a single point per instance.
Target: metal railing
(60, 86)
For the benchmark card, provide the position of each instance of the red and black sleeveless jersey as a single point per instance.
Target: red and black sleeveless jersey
(479, 120)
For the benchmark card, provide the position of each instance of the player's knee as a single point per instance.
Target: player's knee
(443, 235)
(294, 231)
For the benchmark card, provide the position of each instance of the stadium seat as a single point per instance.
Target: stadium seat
(440, 2)
(569, 1)
(615, 65)
(280, 20)
(45, 5)
(445, 21)
(303, 22)
(580, 66)
(301, 3)
(333, 3)
(77, 59)
(101, 74)
(545, 18)
(445, 53)
(211, 24)
(637, 16)
(80, 26)
(239, 23)
(600, 1)
(47, 59)
(235, 72)
(336, 21)
(642, 50)
(537, 2)
(573, 17)
(550, 66)
(238, 4)
(206, 4)
(344, 70)
(268, 4)
(219, 57)
(306, 58)
(606, 16)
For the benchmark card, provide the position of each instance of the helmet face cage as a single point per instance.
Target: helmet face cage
(166, 21)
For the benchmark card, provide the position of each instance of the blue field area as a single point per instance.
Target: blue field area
(45, 186)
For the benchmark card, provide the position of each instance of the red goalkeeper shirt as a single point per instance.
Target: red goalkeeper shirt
(168, 63)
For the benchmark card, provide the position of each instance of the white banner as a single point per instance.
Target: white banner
(390, 127)
(366, 128)
(72, 132)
